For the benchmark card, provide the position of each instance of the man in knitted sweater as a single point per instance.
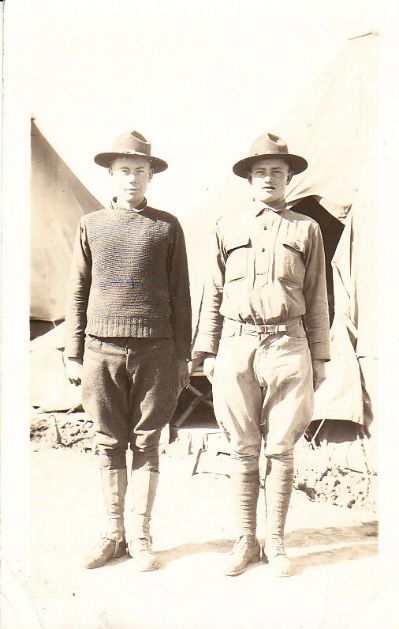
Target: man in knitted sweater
(128, 336)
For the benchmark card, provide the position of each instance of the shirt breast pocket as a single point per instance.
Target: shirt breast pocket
(237, 258)
(291, 267)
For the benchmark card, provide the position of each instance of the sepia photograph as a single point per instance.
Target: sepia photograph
(194, 313)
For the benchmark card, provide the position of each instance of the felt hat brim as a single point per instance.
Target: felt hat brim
(105, 159)
(296, 163)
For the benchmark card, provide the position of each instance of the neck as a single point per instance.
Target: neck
(273, 205)
(130, 205)
(276, 205)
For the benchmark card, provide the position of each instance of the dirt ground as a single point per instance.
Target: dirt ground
(339, 579)
(338, 583)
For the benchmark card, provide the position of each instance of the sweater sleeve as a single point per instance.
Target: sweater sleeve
(78, 295)
(179, 292)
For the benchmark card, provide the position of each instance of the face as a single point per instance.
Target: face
(269, 178)
(130, 177)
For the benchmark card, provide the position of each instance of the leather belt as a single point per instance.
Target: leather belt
(262, 328)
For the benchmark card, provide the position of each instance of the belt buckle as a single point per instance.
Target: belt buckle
(261, 328)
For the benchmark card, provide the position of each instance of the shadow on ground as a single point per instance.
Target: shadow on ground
(331, 534)
(354, 542)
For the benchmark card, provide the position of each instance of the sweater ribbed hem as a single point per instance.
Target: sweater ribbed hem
(129, 327)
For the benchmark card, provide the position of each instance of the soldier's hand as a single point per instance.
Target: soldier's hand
(319, 373)
(194, 364)
(209, 366)
(74, 367)
(184, 378)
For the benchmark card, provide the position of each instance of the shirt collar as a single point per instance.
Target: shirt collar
(116, 206)
(259, 207)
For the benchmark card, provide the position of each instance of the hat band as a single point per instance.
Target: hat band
(132, 152)
(271, 152)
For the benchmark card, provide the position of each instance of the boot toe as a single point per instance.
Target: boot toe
(144, 558)
(103, 552)
(281, 566)
(147, 564)
(243, 554)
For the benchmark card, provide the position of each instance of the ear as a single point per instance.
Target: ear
(249, 177)
(110, 172)
(150, 174)
(289, 176)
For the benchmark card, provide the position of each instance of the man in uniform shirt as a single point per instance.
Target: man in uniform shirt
(129, 324)
(263, 333)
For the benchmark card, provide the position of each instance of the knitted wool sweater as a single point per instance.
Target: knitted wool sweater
(129, 278)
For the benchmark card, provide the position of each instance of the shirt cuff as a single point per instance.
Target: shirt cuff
(205, 344)
(74, 349)
(202, 355)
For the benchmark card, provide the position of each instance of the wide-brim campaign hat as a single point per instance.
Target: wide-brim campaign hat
(128, 144)
(270, 146)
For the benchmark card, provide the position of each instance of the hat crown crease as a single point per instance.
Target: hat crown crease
(269, 145)
(131, 143)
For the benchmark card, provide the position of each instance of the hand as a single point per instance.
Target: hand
(182, 369)
(195, 363)
(209, 367)
(74, 368)
(319, 372)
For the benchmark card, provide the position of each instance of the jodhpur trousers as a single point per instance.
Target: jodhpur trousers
(130, 390)
(262, 389)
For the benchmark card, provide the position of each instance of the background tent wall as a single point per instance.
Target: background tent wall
(58, 200)
(334, 124)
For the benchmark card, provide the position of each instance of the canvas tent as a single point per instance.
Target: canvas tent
(334, 126)
(58, 200)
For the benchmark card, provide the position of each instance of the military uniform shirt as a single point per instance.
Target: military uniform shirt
(267, 266)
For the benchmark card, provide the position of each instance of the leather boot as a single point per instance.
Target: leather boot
(278, 489)
(143, 487)
(246, 550)
(112, 543)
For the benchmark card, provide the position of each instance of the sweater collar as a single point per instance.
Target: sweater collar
(114, 205)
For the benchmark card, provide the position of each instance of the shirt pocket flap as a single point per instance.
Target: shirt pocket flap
(291, 266)
(296, 245)
(236, 241)
(237, 246)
